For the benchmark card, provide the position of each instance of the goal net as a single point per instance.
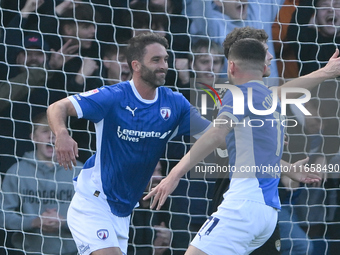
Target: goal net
(53, 49)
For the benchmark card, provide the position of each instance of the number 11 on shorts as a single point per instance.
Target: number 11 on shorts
(208, 226)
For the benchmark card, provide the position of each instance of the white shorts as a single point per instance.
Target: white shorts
(236, 229)
(94, 227)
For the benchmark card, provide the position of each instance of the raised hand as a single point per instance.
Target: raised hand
(31, 6)
(65, 6)
(49, 221)
(88, 67)
(64, 54)
(163, 238)
(332, 69)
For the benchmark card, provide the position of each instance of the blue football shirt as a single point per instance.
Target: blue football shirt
(131, 135)
(255, 147)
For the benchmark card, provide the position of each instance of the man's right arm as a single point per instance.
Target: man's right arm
(66, 147)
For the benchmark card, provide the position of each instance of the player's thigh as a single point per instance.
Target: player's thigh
(94, 228)
(272, 246)
(265, 222)
(108, 251)
(192, 250)
(235, 227)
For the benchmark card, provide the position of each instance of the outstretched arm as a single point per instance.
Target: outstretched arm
(66, 147)
(310, 81)
(212, 139)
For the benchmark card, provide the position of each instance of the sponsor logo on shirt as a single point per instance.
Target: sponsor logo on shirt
(136, 135)
(89, 93)
(132, 111)
(103, 234)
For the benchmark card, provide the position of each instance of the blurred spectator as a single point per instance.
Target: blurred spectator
(36, 193)
(22, 21)
(327, 197)
(74, 27)
(168, 6)
(148, 18)
(178, 37)
(294, 239)
(69, 28)
(11, 8)
(308, 210)
(287, 64)
(215, 19)
(77, 27)
(207, 61)
(111, 13)
(115, 63)
(177, 24)
(140, 19)
(205, 65)
(314, 33)
(36, 68)
(24, 96)
(21, 17)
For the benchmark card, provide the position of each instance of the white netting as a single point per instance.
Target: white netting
(83, 45)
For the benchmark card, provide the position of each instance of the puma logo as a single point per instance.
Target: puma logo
(132, 111)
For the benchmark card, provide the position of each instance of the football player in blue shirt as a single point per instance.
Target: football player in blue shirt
(248, 214)
(133, 120)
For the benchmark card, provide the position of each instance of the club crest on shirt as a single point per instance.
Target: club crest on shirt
(103, 234)
(165, 113)
(89, 93)
(278, 245)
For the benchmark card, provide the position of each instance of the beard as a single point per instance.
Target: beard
(153, 77)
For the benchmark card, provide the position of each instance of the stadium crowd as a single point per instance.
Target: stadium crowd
(53, 49)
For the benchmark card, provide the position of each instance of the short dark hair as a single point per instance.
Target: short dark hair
(242, 33)
(315, 3)
(39, 120)
(110, 50)
(147, 15)
(206, 43)
(113, 49)
(136, 47)
(249, 53)
(81, 14)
